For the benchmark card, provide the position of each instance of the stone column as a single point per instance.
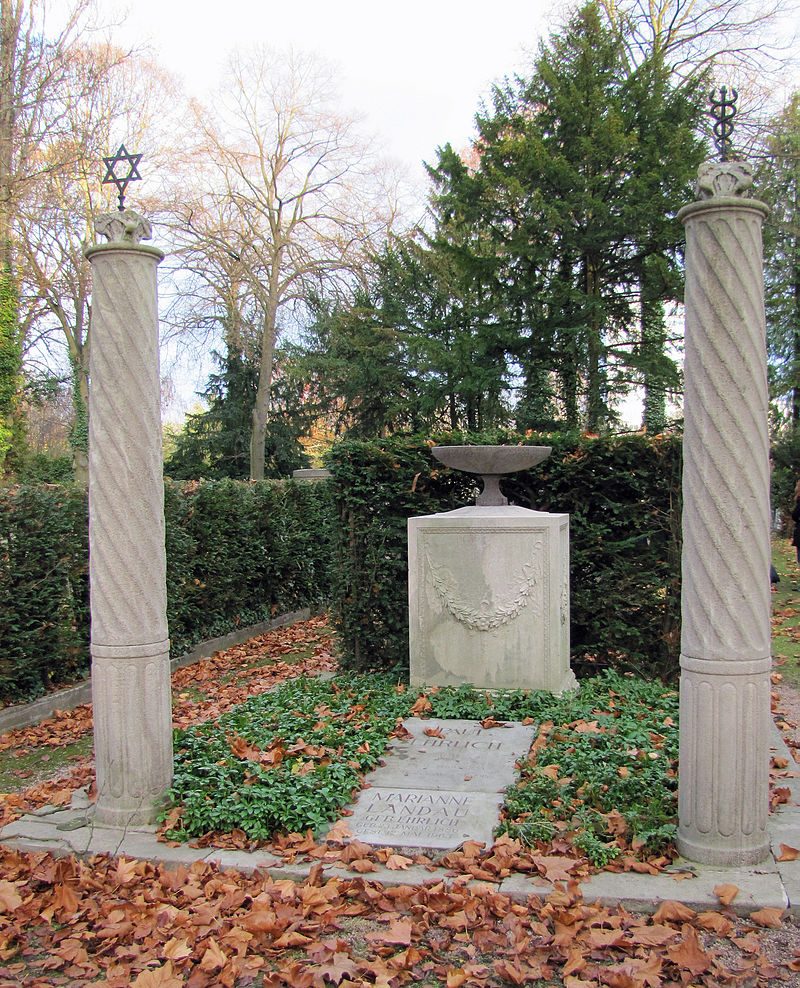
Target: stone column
(127, 562)
(725, 603)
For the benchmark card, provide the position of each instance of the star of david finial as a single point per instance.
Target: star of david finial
(121, 181)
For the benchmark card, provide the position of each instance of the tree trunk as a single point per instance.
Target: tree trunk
(653, 341)
(595, 405)
(795, 241)
(10, 19)
(261, 407)
(79, 434)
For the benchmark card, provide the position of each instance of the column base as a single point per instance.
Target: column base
(734, 857)
(723, 777)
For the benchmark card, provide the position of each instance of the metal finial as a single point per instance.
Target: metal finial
(121, 182)
(723, 110)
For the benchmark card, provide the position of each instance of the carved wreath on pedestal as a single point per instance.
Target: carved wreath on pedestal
(487, 616)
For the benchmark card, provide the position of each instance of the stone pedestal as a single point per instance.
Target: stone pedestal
(127, 561)
(489, 599)
(725, 604)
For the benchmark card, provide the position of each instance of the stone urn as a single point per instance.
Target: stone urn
(491, 463)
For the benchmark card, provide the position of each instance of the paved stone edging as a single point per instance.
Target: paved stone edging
(27, 714)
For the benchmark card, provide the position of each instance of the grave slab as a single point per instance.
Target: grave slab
(441, 786)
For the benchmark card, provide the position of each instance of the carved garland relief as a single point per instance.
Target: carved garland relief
(487, 615)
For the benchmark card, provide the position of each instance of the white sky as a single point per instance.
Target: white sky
(416, 69)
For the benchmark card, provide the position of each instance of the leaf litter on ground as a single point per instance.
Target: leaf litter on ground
(122, 923)
(134, 923)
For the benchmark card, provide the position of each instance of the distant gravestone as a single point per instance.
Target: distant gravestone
(440, 786)
(489, 585)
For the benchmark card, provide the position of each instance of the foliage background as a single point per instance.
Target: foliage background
(237, 554)
(623, 495)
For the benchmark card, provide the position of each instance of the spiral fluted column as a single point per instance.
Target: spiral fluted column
(725, 603)
(127, 562)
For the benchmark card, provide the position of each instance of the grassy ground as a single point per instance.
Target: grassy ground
(786, 612)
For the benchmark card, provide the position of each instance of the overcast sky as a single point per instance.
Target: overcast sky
(416, 68)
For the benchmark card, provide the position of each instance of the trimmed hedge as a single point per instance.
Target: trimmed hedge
(44, 588)
(237, 554)
(623, 495)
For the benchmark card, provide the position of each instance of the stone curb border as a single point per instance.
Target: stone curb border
(772, 883)
(26, 714)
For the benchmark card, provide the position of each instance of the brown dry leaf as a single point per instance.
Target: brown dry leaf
(598, 938)
(433, 732)
(176, 950)
(788, 853)
(651, 936)
(406, 959)
(554, 867)
(768, 916)
(575, 962)
(671, 911)
(362, 865)
(511, 971)
(489, 722)
(339, 832)
(261, 919)
(715, 923)
(354, 850)
(65, 900)
(292, 939)
(582, 727)
(399, 933)
(750, 944)
(688, 954)
(161, 977)
(213, 957)
(617, 824)
(10, 899)
(127, 870)
(338, 966)
(456, 977)
(726, 893)
(398, 862)
(421, 705)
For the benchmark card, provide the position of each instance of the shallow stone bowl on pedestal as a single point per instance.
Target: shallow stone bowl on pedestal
(491, 462)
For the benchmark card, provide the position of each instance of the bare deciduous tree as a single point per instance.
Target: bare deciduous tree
(107, 97)
(294, 204)
(693, 35)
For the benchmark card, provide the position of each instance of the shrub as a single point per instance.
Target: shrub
(623, 498)
(237, 553)
(44, 588)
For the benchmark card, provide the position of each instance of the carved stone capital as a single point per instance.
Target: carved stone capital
(723, 178)
(126, 227)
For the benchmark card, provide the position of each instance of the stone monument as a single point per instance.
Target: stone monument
(127, 562)
(725, 604)
(489, 585)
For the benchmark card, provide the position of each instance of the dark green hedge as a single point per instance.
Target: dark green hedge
(623, 498)
(44, 588)
(237, 554)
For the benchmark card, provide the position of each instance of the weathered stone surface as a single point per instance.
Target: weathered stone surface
(757, 888)
(127, 561)
(463, 756)
(489, 599)
(725, 606)
(440, 788)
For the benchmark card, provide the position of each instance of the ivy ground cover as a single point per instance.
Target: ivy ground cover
(602, 772)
